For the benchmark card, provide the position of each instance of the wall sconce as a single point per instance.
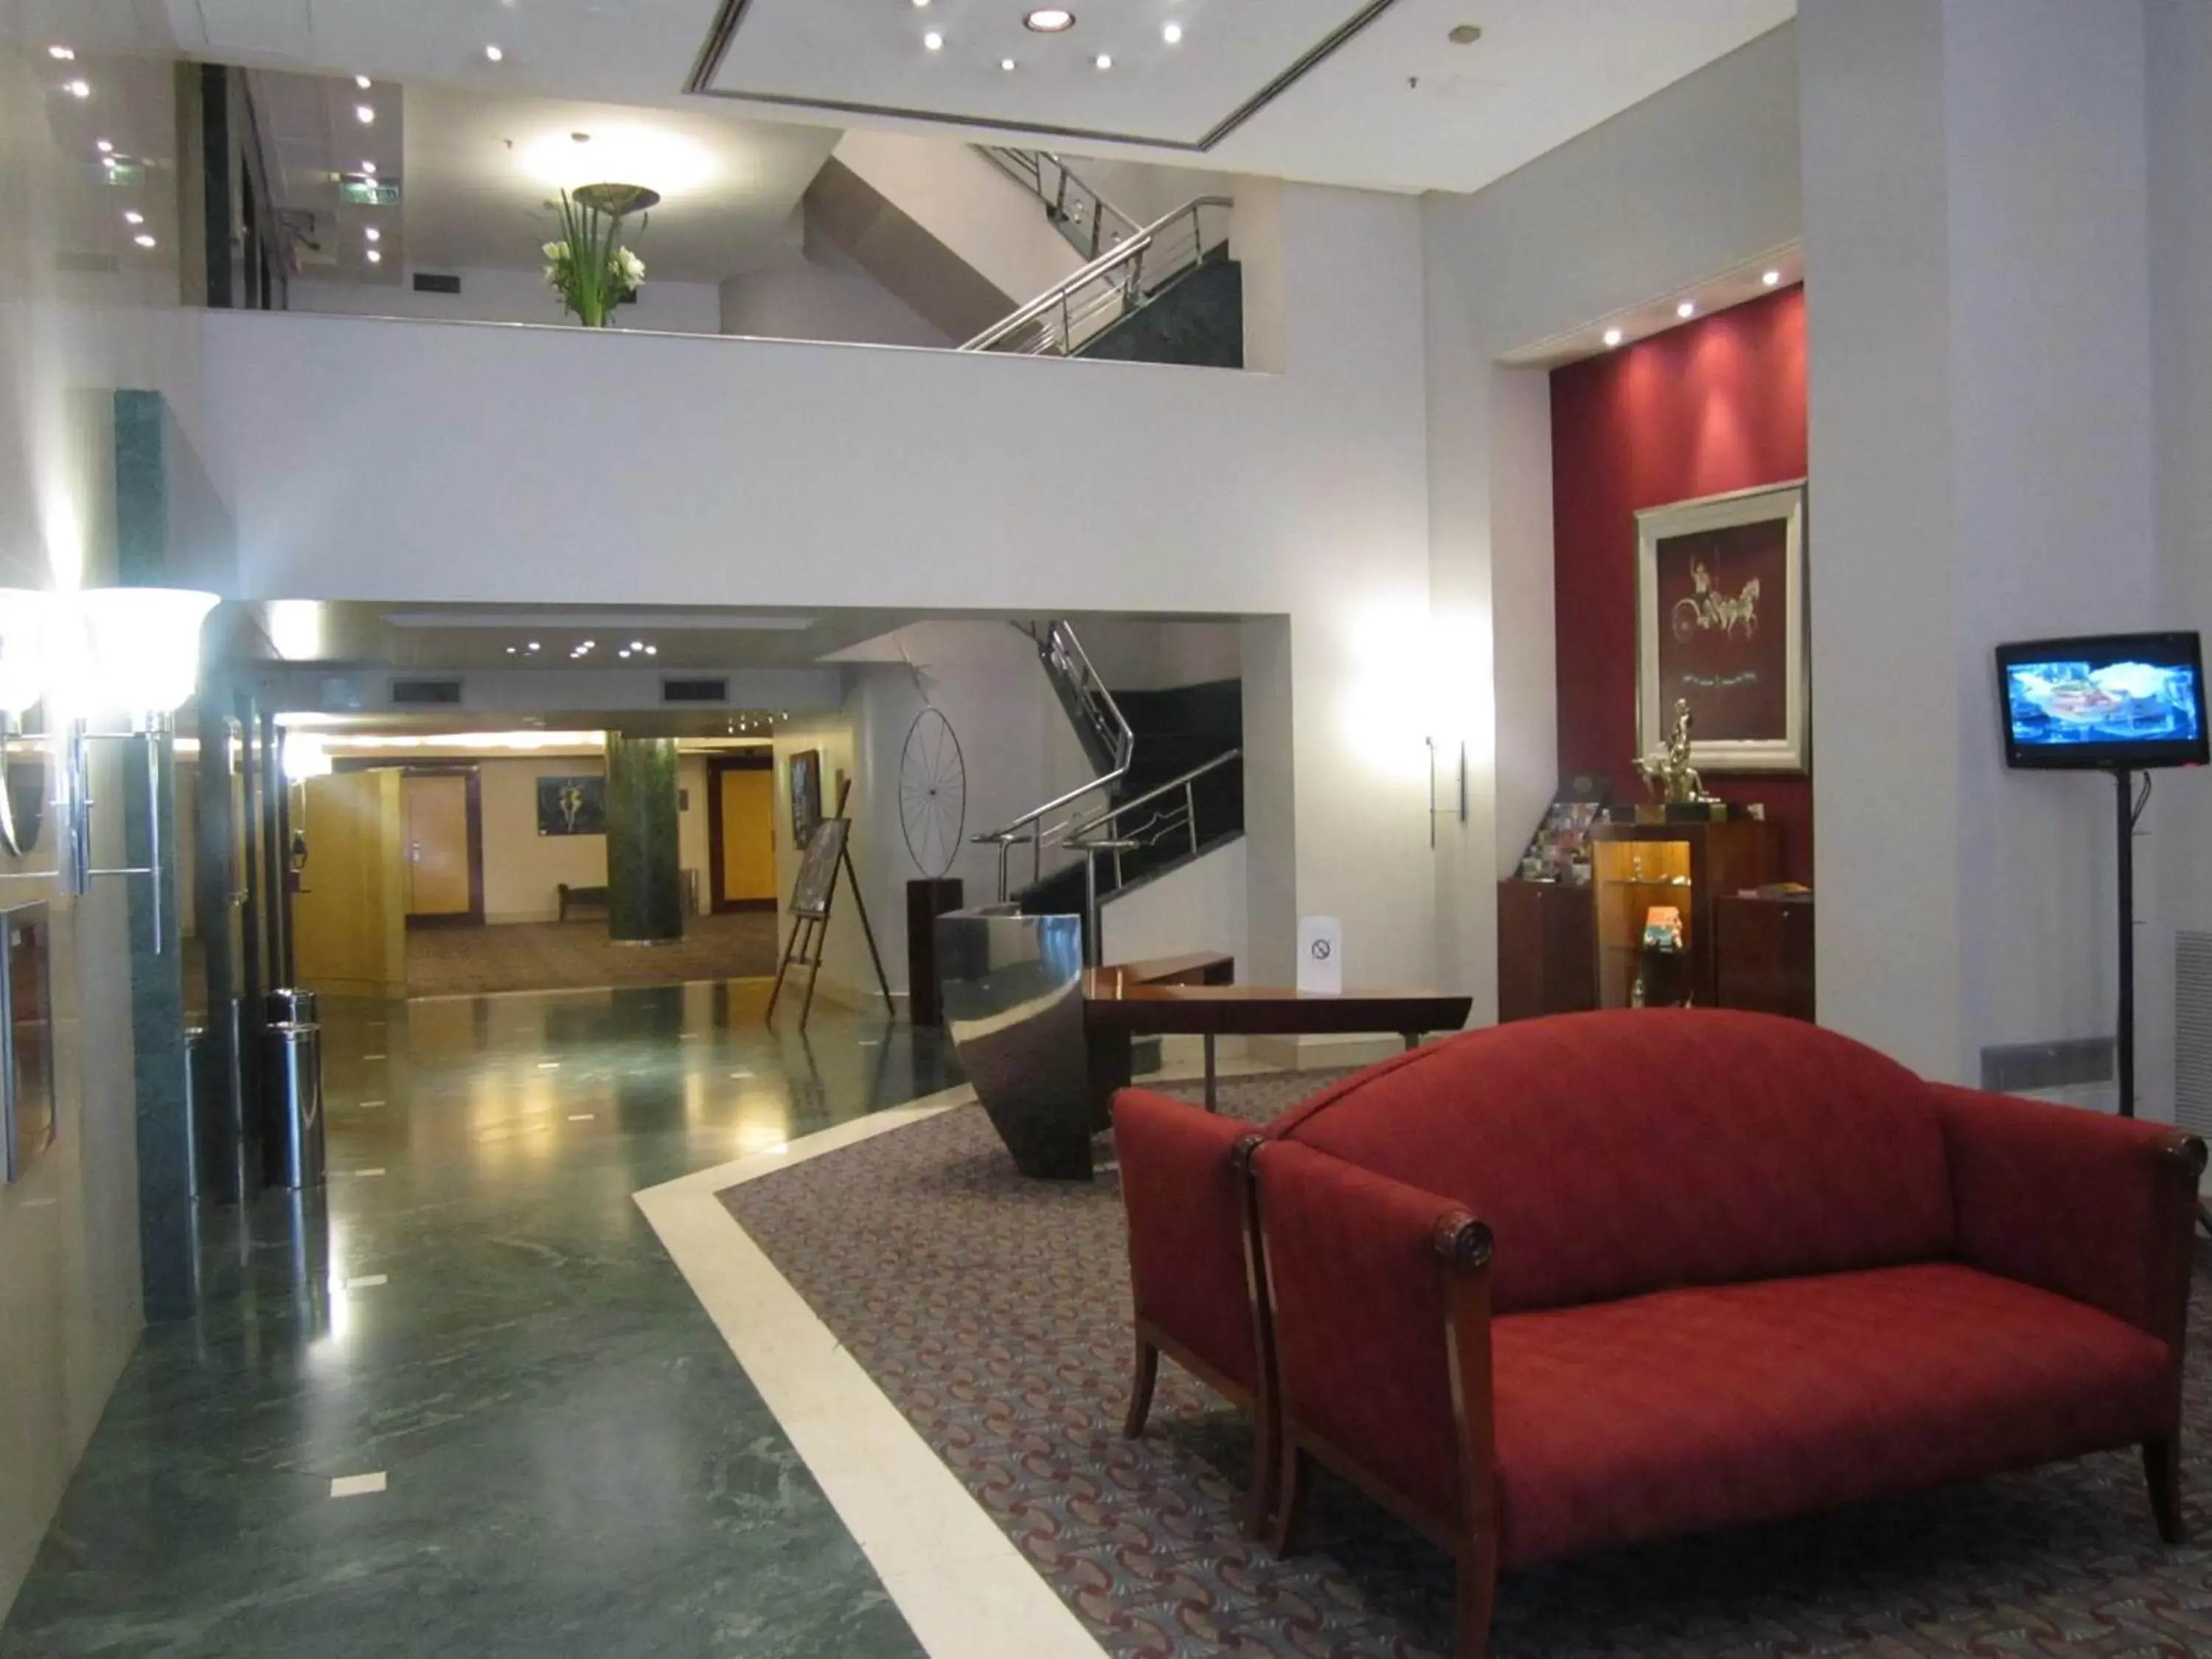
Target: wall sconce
(132, 649)
(1433, 808)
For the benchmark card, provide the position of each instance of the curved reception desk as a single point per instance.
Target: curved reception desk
(1012, 987)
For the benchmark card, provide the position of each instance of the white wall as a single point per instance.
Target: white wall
(1302, 493)
(825, 296)
(522, 868)
(492, 295)
(1198, 907)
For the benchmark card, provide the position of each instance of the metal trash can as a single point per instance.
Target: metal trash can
(291, 1005)
(292, 1082)
(195, 1058)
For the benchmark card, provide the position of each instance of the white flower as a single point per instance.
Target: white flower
(556, 251)
(632, 267)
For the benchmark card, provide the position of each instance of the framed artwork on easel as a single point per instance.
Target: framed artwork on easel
(806, 782)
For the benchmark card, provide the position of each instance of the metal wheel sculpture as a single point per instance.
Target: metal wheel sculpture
(933, 794)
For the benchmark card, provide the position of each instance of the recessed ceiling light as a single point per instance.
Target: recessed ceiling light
(1464, 34)
(109, 161)
(1007, 64)
(637, 645)
(1049, 20)
(533, 645)
(368, 168)
(624, 655)
(510, 650)
(78, 88)
(1105, 60)
(143, 239)
(62, 54)
(1686, 309)
(1172, 34)
(102, 145)
(375, 258)
(1772, 279)
(493, 53)
(362, 82)
(374, 234)
(1612, 337)
(651, 650)
(134, 217)
(365, 113)
(933, 40)
(919, 4)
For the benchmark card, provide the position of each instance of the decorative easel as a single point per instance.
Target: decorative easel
(827, 853)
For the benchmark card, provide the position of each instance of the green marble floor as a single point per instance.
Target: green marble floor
(575, 1463)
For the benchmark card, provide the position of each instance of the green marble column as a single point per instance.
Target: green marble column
(645, 889)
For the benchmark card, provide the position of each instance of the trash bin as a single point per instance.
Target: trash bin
(291, 1005)
(292, 1081)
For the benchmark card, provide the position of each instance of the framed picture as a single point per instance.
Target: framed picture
(572, 805)
(29, 1115)
(1721, 626)
(805, 796)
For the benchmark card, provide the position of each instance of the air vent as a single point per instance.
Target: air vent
(417, 693)
(694, 690)
(2192, 1031)
(437, 281)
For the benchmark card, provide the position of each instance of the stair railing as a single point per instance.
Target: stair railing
(1064, 659)
(1091, 224)
(1062, 320)
(1179, 817)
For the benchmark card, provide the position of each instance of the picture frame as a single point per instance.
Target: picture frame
(806, 782)
(1713, 630)
(574, 806)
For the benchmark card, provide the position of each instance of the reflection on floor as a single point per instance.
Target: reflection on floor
(475, 1312)
(546, 956)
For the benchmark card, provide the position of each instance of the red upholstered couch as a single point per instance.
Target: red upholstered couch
(1581, 1282)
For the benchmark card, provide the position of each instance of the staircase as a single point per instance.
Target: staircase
(1091, 224)
(1169, 293)
(1170, 788)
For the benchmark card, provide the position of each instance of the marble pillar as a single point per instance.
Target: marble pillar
(645, 893)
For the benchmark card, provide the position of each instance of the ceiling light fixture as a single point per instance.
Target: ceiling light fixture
(365, 113)
(1105, 60)
(1007, 64)
(132, 216)
(368, 169)
(493, 53)
(1613, 337)
(1049, 20)
(78, 88)
(533, 645)
(1772, 279)
(1464, 34)
(374, 234)
(1172, 34)
(362, 82)
(102, 145)
(143, 239)
(62, 54)
(934, 41)
(375, 258)
(1686, 309)
(109, 161)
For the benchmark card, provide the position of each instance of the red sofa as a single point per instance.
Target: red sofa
(1581, 1282)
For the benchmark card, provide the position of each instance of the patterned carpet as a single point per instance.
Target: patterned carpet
(992, 1311)
(560, 956)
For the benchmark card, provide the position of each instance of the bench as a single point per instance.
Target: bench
(570, 897)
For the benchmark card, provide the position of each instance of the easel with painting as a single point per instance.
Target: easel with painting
(827, 853)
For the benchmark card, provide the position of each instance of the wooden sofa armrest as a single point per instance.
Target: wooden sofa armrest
(2101, 1210)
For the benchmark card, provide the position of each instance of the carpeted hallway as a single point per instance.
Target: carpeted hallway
(992, 1311)
(559, 956)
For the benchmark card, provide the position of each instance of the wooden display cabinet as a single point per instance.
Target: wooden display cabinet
(1544, 958)
(1767, 953)
(1688, 865)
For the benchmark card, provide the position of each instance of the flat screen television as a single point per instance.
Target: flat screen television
(2112, 701)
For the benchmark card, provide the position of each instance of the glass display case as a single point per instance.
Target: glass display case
(1655, 887)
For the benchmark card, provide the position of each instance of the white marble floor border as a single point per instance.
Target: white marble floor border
(961, 1585)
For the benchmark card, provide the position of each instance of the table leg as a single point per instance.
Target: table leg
(1210, 1103)
(1413, 1040)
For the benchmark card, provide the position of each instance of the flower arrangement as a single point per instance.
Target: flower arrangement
(587, 266)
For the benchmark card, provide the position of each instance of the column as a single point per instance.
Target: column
(645, 893)
(1977, 240)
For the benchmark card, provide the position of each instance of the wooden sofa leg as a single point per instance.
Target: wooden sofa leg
(1477, 1595)
(1259, 1510)
(2162, 1469)
(1141, 1383)
(1288, 1469)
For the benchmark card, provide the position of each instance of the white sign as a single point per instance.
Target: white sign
(1321, 955)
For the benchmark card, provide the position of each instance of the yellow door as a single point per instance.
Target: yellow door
(438, 846)
(748, 837)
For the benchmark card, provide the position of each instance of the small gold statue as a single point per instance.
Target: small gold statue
(1669, 769)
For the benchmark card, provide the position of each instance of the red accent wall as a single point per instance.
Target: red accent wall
(1716, 404)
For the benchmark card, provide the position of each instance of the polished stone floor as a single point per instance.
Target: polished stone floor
(476, 1311)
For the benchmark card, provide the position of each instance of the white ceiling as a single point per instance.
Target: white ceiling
(1397, 105)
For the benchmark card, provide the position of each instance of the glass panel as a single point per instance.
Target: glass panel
(1634, 877)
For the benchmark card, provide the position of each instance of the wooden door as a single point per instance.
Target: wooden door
(746, 871)
(438, 864)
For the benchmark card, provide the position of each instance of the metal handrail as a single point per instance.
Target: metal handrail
(1065, 197)
(1059, 646)
(1183, 783)
(1125, 263)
